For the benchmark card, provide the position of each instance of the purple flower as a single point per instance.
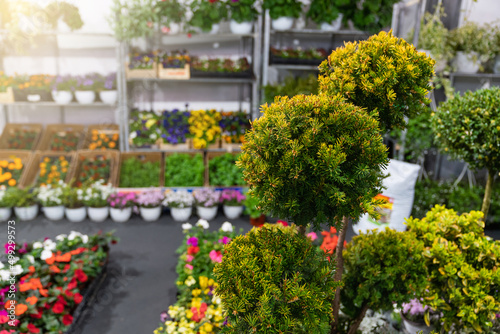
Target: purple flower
(225, 240)
(150, 198)
(207, 197)
(163, 316)
(225, 322)
(193, 241)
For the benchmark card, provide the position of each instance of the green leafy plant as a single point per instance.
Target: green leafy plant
(462, 264)
(292, 291)
(6, 201)
(170, 11)
(133, 18)
(184, 170)
(468, 127)
(135, 174)
(223, 171)
(469, 37)
(283, 8)
(322, 11)
(251, 204)
(243, 10)
(384, 74)
(367, 15)
(22, 197)
(69, 14)
(207, 13)
(382, 268)
(72, 197)
(290, 87)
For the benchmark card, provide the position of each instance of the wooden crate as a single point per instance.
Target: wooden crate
(108, 129)
(142, 73)
(113, 155)
(175, 147)
(192, 153)
(143, 157)
(30, 176)
(11, 128)
(210, 156)
(25, 156)
(7, 96)
(174, 73)
(61, 129)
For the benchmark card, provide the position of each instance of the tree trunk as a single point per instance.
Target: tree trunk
(355, 325)
(487, 194)
(338, 273)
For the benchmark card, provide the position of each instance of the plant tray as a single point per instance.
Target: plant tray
(175, 147)
(294, 61)
(141, 73)
(144, 157)
(192, 154)
(174, 73)
(210, 156)
(233, 75)
(31, 174)
(53, 131)
(7, 96)
(107, 129)
(10, 130)
(112, 155)
(32, 95)
(25, 156)
(231, 147)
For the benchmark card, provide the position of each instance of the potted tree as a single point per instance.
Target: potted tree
(325, 14)
(95, 198)
(24, 202)
(206, 201)
(207, 15)
(51, 198)
(120, 206)
(180, 203)
(232, 203)
(283, 12)
(74, 208)
(243, 15)
(150, 204)
(170, 16)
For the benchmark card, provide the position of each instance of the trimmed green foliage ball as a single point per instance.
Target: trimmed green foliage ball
(384, 74)
(314, 159)
(274, 280)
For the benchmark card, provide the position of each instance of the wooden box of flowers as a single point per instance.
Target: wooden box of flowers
(203, 67)
(96, 165)
(62, 138)
(222, 170)
(6, 92)
(21, 136)
(174, 65)
(184, 169)
(102, 137)
(48, 167)
(291, 56)
(234, 125)
(12, 165)
(34, 88)
(141, 170)
(142, 66)
(175, 131)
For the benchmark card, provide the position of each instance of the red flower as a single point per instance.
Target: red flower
(282, 222)
(193, 250)
(68, 293)
(62, 300)
(37, 315)
(72, 285)
(94, 248)
(32, 329)
(78, 298)
(67, 320)
(81, 276)
(212, 1)
(58, 308)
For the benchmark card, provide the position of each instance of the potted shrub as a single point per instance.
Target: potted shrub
(86, 87)
(207, 15)
(243, 14)
(257, 218)
(74, 208)
(6, 204)
(120, 206)
(149, 202)
(470, 43)
(95, 198)
(170, 16)
(206, 201)
(184, 170)
(62, 89)
(466, 127)
(180, 203)
(24, 202)
(106, 86)
(50, 197)
(232, 203)
(325, 14)
(283, 12)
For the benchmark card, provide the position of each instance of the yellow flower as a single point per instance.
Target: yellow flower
(12, 182)
(64, 163)
(207, 327)
(203, 282)
(46, 159)
(196, 292)
(189, 314)
(196, 302)
(4, 163)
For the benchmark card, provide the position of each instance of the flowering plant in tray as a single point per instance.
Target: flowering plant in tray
(52, 170)
(176, 126)
(95, 168)
(206, 197)
(10, 171)
(21, 139)
(178, 199)
(174, 59)
(204, 127)
(234, 125)
(145, 128)
(142, 61)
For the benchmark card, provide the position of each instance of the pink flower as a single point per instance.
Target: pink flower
(150, 24)
(165, 30)
(9, 247)
(282, 222)
(189, 258)
(312, 236)
(224, 240)
(193, 241)
(215, 256)
(188, 266)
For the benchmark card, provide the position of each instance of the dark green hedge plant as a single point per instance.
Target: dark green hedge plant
(184, 170)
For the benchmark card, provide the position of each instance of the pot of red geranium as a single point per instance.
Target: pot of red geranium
(413, 318)
(121, 204)
(180, 203)
(232, 203)
(149, 202)
(74, 208)
(257, 218)
(62, 89)
(86, 88)
(95, 198)
(207, 200)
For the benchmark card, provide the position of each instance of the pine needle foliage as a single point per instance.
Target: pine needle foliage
(314, 159)
(383, 74)
(274, 280)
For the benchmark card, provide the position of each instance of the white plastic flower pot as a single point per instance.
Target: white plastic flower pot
(467, 62)
(334, 25)
(240, 28)
(120, 215)
(26, 213)
(232, 212)
(5, 213)
(75, 215)
(98, 214)
(109, 96)
(181, 214)
(53, 212)
(206, 213)
(215, 29)
(174, 28)
(150, 214)
(414, 327)
(496, 67)
(282, 23)
(62, 96)
(85, 96)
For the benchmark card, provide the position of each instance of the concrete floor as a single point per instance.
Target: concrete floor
(141, 273)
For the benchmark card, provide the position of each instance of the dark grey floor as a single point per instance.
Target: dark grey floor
(141, 271)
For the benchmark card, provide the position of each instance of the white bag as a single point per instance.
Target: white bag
(399, 193)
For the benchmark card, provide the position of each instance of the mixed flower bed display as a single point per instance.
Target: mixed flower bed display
(52, 170)
(10, 171)
(135, 173)
(298, 56)
(176, 125)
(204, 127)
(234, 125)
(222, 171)
(94, 168)
(51, 278)
(145, 128)
(184, 170)
(102, 140)
(65, 141)
(174, 59)
(220, 67)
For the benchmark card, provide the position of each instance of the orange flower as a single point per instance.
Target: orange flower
(11, 166)
(112, 145)
(44, 292)
(54, 269)
(32, 300)
(12, 182)
(31, 269)
(20, 308)
(4, 163)
(51, 260)
(66, 257)
(115, 137)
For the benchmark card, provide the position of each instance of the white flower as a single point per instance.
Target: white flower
(4, 275)
(61, 237)
(133, 135)
(30, 258)
(37, 245)
(15, 259)
(1, 265)
(49, 245)
(190, 281)
(187, 226)
(85, 238)
(203, 223)
(216, 300)
(227, 227)
(16, 270)
(73, 235)
(45, 254)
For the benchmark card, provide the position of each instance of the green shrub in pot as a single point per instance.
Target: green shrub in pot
(323, 11)
(243, 11)
(471, 39)
(21, 197)
(283, 8)
(207, 13)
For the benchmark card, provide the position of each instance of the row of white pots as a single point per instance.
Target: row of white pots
(117, 215)
(84, 97)
(286, 23)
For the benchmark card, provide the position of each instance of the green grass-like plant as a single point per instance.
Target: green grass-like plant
(135, 173)
(184, 170)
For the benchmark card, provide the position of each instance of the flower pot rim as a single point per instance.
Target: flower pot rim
(25, 206)
(413, 322)
(98, 207)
